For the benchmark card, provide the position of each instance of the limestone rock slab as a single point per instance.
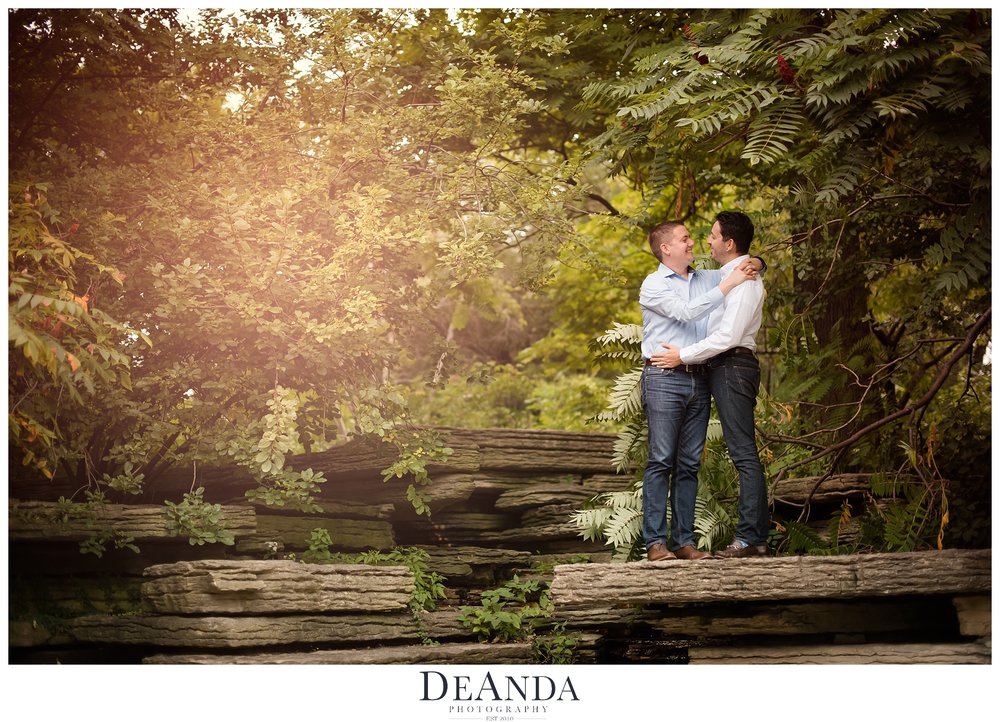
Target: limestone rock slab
(950, 571)
(278, 586)
(40, 520)
(241, 632)
(356, 534)
(957, 653)
(411, 654)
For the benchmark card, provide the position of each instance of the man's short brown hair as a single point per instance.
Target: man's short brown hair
(660, 235)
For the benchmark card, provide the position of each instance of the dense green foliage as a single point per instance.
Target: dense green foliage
(509, 612)
(238, 236)
(287, 206)
(866, 134)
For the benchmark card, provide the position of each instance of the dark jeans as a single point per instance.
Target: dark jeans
(677, 406)
(734, 382)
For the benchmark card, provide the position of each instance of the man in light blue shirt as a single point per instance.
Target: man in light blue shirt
(675, 301)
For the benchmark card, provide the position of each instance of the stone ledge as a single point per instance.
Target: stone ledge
(819, 489)
(466, 560)
(415, 654)
(951, 571)
(769, 618)
(975, 617)
(23, 633)
(241, 632)
(823, 489)
(274, 587)
(962, 653)
(292, 532)
(38, 521)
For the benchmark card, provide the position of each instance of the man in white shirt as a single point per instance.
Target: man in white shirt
(734, 378)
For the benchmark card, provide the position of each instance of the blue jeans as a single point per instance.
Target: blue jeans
(677, 406)
(734, 381)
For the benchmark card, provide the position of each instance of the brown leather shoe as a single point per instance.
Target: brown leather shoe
(737, 551)
(689, 552)
(658, 553)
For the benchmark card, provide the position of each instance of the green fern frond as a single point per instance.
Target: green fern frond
(894, 62)
(803, 50)
(616, 518)
(652, 61)
(850, 122)
(648, 105)
(971, 267)
(849, 81)
(590, 523)
(624, 527)
(662, 172)
(956, 98)
(773, 133)
(627, 355)
(629, 499)
(838, 521)
(808, 387)
(713, 521)
(802, 537)
(842, 181)
(960, 251)
(622, 333)
(625, 399)
(884, 485)
(630, 448)
(714, 430)
(742, 103)
(903, 525)
(899, 105)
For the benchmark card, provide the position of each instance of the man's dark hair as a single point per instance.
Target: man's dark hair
(737, 226)
(661, 234)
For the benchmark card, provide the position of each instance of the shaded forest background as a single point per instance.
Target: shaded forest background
(238, 237)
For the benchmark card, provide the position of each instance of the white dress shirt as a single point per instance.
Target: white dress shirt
(734, 323)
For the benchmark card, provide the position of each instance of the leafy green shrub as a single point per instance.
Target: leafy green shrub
(510, 612)
(517, 611)
(201, 522)
(285, 488)
(428, 585)
(557, 647)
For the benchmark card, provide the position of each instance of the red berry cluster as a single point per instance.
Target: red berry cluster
(785, 70)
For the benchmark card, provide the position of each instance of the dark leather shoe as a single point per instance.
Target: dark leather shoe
(735, 551)
(689, 552)
(659, 552)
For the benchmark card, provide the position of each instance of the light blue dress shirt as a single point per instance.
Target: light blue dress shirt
(675, 309)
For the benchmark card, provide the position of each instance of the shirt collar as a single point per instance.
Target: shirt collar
(670, 272)
(734, 263)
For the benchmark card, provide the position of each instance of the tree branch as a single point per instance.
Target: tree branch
(970, 338)
(158, 464)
